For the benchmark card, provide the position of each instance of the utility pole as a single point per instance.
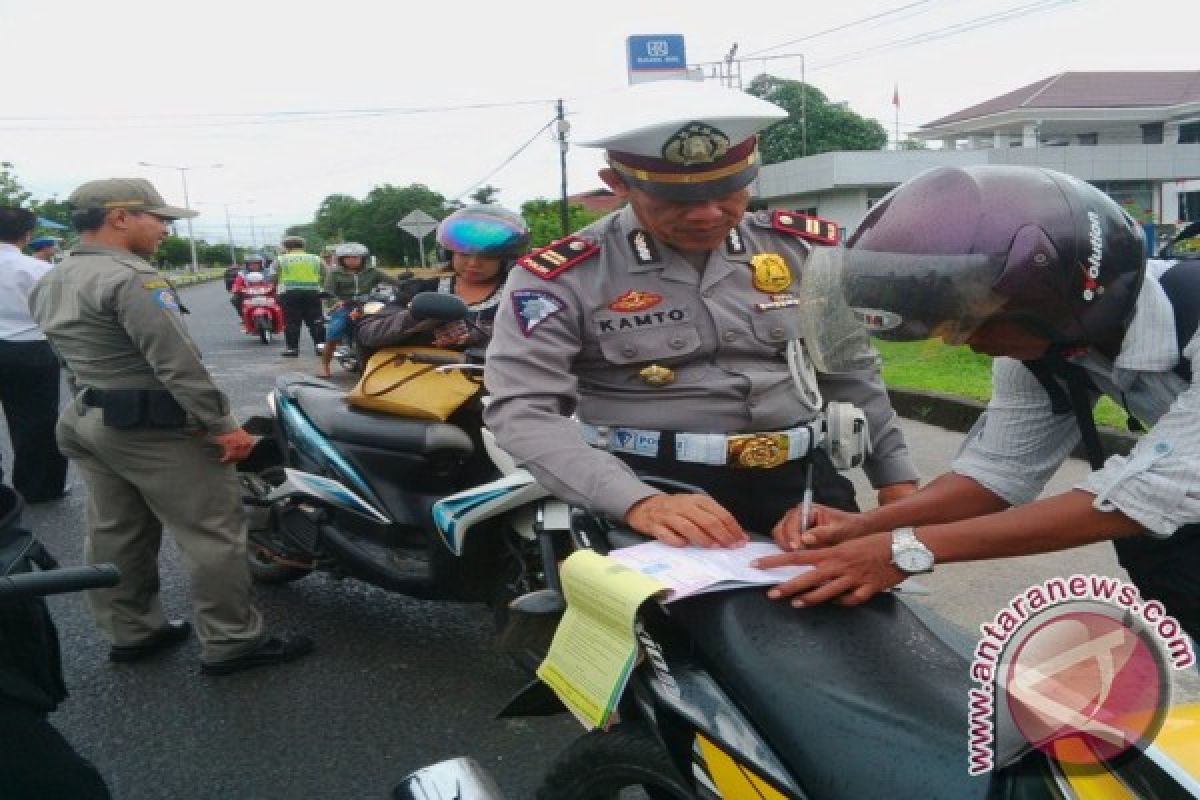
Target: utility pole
(183, 171)
(229, 230)
(562, 128)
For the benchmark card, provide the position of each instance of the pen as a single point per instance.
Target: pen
(806, 500)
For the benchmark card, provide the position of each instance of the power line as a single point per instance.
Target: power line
(942, 33)
(506, 161)
(227, 119)
(842, 27)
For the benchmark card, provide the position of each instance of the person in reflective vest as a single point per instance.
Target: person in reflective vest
(298, 278)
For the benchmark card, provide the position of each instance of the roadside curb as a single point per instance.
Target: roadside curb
(193, 280)
(959, 414)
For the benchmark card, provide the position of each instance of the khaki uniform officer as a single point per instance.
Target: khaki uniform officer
(664, 328)
(152, 435)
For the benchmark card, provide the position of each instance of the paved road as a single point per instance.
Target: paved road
(396, 683)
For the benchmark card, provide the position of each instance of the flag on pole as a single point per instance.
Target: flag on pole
(896, 96)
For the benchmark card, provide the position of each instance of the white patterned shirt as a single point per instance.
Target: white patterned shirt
(1018, 443)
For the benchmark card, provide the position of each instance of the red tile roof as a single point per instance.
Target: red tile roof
(599, 201)
(1090, 90)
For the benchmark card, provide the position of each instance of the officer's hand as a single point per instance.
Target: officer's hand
(235, 445)
(686, 519)
(895, 491)
(826, 527)
(849, 574)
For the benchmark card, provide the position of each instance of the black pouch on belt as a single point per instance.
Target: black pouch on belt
(164, 411)
(124, 409)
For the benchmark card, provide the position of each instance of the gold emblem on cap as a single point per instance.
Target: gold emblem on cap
(771, 273)
(696, 143)
(654, 375)
(759, 450)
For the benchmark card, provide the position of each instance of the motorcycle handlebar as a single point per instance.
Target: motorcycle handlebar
(58, 581)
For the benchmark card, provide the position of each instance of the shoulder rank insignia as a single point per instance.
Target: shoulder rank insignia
(558, 257)
(812, 229)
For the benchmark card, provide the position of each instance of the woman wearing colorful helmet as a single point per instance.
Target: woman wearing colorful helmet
(480, 242)
(351, 278)
(1048, 274)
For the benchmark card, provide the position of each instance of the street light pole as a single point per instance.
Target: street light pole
(183, 174)
(229, 230)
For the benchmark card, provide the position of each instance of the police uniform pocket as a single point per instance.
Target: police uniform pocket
(776, 326)
(660, 345)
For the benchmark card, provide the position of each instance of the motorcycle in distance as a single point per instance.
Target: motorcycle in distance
(261, 314)
(738, 696)
(424, 508)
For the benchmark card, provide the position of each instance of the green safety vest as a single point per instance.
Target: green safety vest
(299, 271)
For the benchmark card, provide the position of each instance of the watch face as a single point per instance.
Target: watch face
(914, 559)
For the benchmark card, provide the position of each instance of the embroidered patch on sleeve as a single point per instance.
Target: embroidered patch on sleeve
(534, 307)
(165, 299)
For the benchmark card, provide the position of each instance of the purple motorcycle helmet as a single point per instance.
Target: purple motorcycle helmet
(955, 247)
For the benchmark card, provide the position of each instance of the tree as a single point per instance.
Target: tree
(336, 218)
(545, 222)
(830, 126)
(485, 194)
(53, 209)
(12, 193)
(175, 251)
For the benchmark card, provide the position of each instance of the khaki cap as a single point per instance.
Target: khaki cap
(135, 194)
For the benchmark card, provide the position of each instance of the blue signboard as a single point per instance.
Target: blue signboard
(650, 52)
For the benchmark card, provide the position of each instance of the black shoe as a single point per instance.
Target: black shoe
(175, 632)
(291, 352)
(272, 650)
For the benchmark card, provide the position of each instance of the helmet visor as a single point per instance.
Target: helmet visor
(474, 233)
(847, 296)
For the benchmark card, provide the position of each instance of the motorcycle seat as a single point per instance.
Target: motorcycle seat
(328, 410)
(857, 702)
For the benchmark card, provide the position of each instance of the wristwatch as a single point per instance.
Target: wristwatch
(908, 554)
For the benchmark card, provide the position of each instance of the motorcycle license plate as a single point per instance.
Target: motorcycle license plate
(259, 301)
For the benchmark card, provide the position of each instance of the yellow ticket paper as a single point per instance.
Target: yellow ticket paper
(594, 648)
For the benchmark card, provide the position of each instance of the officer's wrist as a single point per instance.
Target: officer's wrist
(223, 425)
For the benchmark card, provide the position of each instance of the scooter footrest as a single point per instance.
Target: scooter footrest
(301, 526)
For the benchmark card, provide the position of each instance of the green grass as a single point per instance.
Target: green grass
(934, 366)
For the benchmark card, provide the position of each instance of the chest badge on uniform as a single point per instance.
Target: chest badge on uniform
(645, 251)
(734, 244)
(771, 273)
(635, 300)
(655, 375)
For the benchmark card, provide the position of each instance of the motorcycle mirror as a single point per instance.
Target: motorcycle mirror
(433, 305)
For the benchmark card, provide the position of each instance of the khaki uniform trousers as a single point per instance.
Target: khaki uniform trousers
(139, 480)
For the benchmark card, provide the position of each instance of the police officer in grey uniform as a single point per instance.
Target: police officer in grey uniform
(152, 435)
(664, 327)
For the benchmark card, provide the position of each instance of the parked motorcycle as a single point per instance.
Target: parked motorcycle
(738, 696)
(261, 314)
(347, 353)
(427, 509)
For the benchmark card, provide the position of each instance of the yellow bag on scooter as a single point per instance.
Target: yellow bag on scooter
(394, 383)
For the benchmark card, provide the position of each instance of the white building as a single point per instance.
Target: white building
(1136, 135)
